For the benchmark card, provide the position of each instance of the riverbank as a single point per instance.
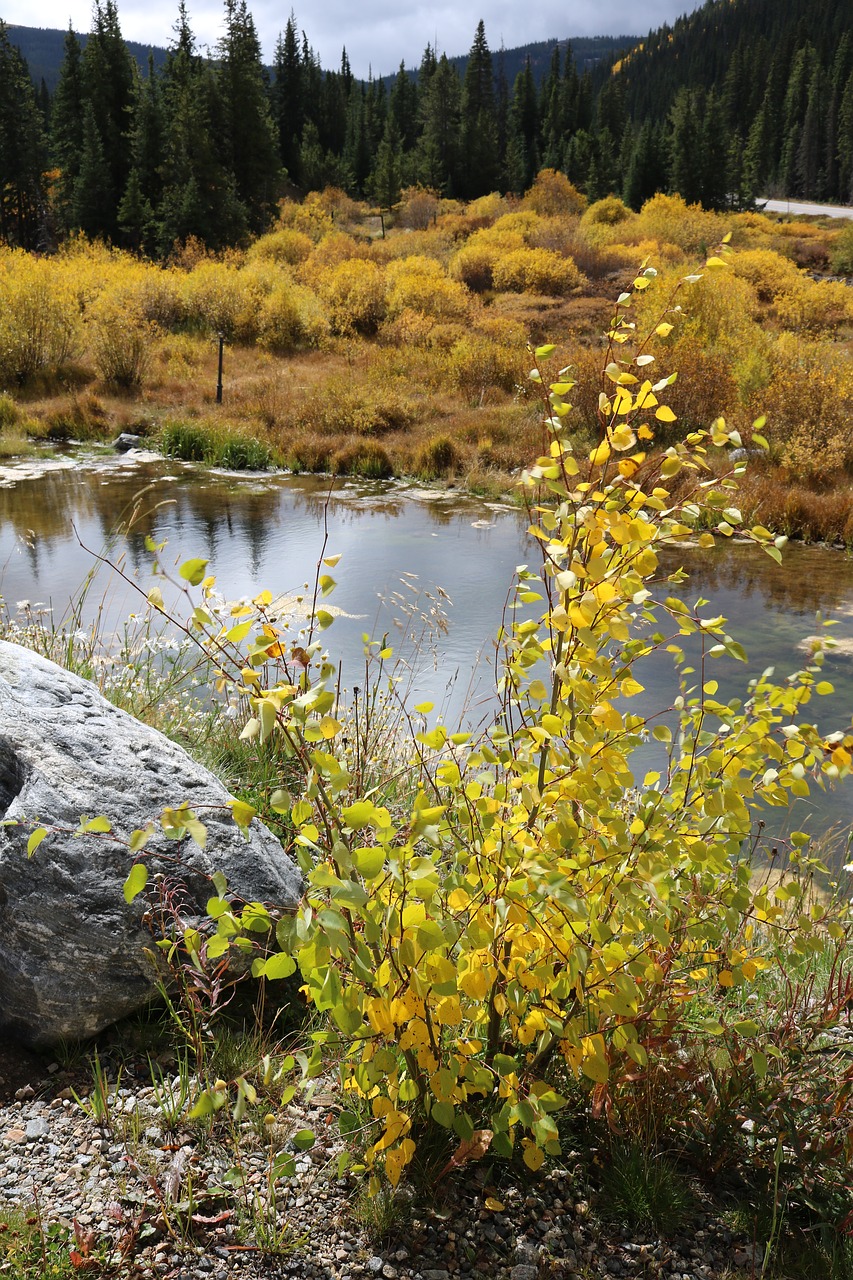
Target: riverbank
(134, 1197)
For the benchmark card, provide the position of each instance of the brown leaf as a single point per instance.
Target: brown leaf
(473, 1148)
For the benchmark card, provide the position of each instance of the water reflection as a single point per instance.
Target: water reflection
(269, 532)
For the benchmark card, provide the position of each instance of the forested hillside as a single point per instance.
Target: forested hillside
(743, 98)
(767, 83)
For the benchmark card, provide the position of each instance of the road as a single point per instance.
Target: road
(804, 208)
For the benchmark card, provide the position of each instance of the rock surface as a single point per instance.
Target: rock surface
(72, 952)
(126, 441)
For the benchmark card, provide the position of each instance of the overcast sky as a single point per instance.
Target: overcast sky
(377, 33)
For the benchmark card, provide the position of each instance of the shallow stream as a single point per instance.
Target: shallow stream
(399, 545)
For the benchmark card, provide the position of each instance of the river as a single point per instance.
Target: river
(433, 569)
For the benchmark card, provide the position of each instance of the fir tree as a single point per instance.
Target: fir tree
(479, 137)
(108, 73)
(437, 157)
(250, 135)
(288, 98)
(67, 128)
(22, 151)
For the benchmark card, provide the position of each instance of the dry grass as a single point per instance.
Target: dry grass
(406, 356)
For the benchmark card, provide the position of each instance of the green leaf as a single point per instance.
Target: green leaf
(304, 1139)
(99, 824)
(243, 813)
(746, 1027)
(35, 840)
(279, 966)
(135, 882)
(442, 1113)
(192, 571)
(369, 862)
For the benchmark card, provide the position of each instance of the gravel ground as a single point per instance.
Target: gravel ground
(127, 1189)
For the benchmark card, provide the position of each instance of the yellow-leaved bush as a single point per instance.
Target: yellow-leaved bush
(541, 907)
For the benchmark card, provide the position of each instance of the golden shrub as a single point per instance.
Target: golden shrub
(122, 340)
(669, 218)
(309, 216)
(39, 317)
(434, 243)
(420, 284)
(354, 294)
(285, 244)
(553, 195)
(475, 262)
(609, 212)
(536, 271)
(478, 364)
(418, 207)
(290, 317)
(334, 248)
(217, 300)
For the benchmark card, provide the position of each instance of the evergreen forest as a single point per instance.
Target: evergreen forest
(738, 100)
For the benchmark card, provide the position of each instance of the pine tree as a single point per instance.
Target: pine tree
(386, 180)
(479, 138)
(93, 179)
(108, 72)
(403, 106)
(144, 188)
(199, 194)
(356, 155)
(22, 151)
(522, 149)
(845, 143)
(438, 151)
(250, 135)
(288, 98)
(67, 128)
(685, 171)
(646, 173)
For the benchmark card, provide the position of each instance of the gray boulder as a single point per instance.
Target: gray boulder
(72, 952)
(126, 441)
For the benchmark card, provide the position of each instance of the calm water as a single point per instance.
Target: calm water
(268, 532)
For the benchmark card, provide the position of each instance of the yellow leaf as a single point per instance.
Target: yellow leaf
(665, 414)
(494, 1205)
(726, 978)
(600, 454)
(533, 1155)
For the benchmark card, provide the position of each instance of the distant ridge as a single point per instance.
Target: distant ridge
(44, 49)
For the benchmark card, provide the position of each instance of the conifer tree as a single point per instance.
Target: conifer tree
(522, 159)
(386, 179)
(250, 135)
(93, 180)
(437, 160)
(288, 98)
(22, 151)
(199, 195)
(108, 72)
(356, 155)
(67, 128)
(479, 137)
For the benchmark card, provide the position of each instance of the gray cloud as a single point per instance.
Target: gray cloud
(378, 34)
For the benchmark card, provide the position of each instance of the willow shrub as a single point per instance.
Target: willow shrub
(544, 905)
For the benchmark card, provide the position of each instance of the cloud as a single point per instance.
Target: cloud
(378, 34)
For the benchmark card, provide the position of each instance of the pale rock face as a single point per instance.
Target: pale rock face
(72, 952)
